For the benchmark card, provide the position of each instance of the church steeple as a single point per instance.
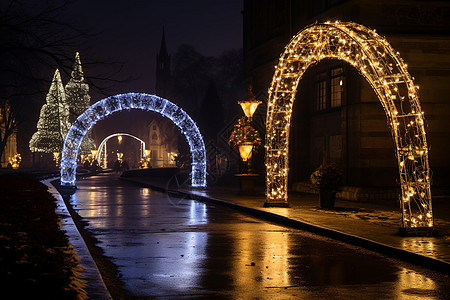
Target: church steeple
(163, 48)
(162, 68)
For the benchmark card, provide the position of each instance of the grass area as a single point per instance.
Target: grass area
(36, 259)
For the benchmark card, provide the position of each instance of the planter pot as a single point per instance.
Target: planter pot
(327, 197)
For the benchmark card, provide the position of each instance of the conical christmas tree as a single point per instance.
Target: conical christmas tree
(53, 123)
(78, 99)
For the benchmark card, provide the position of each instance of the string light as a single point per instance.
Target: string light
(387, 74)
(107, 106)
(53, 121)
(78, 100)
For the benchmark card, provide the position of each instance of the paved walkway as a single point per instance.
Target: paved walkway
(369, 225)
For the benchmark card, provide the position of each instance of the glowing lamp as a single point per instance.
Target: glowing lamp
(119, 155)
(146, 152)
(245, 150)
(94, 152)
(249, 104)
(119, 138)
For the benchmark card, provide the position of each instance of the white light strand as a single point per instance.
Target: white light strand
(53, 121)
(387, 74)
(78, 100)
(107, 106)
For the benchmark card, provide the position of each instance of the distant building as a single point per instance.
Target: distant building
(337, 116)
(163, 74)
(162, 133)
(163, 143)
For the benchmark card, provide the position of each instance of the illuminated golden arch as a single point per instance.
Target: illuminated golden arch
(387, 73)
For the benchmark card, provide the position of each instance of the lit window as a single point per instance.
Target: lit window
(337, 86)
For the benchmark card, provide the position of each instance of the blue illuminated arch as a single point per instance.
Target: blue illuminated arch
(107, 106)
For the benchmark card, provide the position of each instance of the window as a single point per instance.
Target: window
(337, 83)
(329, 90)
(321, 96)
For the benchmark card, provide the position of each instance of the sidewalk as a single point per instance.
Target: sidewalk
(96, 288)
(369, 225)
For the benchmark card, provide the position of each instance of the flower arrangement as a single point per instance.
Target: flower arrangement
(244, 133)
(327, 176)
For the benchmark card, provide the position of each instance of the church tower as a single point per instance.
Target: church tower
(162, 69)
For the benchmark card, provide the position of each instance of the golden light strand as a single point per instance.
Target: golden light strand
(387, 74)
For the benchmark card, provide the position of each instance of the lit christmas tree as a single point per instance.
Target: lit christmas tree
(53, 123)
(78, 100)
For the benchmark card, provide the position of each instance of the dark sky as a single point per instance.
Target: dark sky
(130, 32)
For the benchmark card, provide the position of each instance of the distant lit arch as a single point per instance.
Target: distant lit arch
(101, 153)
(121, 102)
(387, 74)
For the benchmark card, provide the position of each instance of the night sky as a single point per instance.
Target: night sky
(129, 32)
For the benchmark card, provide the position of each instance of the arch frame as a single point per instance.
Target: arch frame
(387, 74)
(105, 140)
(126, 102)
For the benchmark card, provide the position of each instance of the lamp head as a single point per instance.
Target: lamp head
(249, 104)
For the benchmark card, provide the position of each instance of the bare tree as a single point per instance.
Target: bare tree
(35, 39)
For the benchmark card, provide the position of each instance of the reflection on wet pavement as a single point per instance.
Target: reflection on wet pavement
(171, 247)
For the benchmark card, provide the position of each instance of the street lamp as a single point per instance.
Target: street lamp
(249, 104)
(245, 137)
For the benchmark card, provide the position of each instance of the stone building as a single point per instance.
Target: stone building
(163, 143)
(337, 117)
(162, 133)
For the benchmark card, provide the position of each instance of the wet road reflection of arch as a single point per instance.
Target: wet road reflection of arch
(202, 251)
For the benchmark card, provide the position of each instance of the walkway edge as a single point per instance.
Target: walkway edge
(96, 288)
(400, 254)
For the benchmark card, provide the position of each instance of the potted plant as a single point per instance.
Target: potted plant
(327, 179)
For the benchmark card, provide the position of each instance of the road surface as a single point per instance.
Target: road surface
(174, 248)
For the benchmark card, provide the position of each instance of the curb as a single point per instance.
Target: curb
(400, 254)
(96, 288)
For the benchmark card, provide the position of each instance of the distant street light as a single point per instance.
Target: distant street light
(56, 158)
(119, 156)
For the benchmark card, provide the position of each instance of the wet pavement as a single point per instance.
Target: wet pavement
(173, 248)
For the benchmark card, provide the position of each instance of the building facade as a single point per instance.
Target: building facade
(337, 117)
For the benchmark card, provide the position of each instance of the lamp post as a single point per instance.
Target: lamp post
(249, 106)
(245, 137)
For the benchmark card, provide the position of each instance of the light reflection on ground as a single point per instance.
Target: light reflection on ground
(170, 248)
